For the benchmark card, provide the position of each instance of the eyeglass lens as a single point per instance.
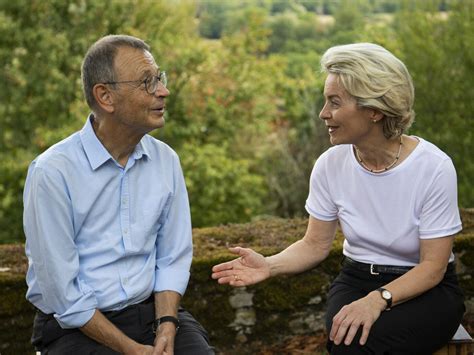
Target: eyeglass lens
(152, 82)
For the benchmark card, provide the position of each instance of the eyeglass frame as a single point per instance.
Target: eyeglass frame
(161, 78)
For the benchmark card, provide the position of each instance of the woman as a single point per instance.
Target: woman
(395, 198)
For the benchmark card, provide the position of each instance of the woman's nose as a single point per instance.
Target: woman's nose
(324, 113)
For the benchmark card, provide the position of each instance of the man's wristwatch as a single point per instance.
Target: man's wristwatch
(387, 296)
(164, 319)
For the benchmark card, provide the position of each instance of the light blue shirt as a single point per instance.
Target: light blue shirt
(100, 236)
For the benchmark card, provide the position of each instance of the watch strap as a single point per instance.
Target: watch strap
(165, 319)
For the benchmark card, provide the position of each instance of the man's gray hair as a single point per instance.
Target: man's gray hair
(98, 64)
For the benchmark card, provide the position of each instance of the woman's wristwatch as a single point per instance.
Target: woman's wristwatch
(387, 296)
(165, 319)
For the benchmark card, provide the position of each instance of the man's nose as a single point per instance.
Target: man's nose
(161, 90)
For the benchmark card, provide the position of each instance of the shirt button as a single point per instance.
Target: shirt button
(125, 281)
(125, 231)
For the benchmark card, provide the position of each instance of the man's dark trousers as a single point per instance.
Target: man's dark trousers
(135, 321)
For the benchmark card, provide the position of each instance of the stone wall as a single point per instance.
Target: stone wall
(266, 312)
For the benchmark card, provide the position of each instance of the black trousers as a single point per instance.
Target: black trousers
(419, 326)
(135, 321)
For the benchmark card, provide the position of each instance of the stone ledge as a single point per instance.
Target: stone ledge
(291, 305)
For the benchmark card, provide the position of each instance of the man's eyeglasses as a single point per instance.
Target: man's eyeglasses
(151, 83)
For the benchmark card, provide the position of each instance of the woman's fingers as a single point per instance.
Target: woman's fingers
(350, 318)
(224, 276)
(248, 269)
(223, 266)
(229, 265)
(231, 277)
(351, 333)
(228, 273)
(237, 250)
(339, 326)
(345, 331)
(365, 333)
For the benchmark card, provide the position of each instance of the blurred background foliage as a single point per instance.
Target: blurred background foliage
(245, 88)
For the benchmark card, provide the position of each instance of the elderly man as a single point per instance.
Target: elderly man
(107, 220)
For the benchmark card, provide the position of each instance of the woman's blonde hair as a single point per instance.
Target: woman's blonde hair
(376, 79)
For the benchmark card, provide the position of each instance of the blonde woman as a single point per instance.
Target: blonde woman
(395, 198)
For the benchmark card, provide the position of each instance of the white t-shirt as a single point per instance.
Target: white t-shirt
(384, 215)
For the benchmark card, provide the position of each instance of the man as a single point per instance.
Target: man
(107, 220)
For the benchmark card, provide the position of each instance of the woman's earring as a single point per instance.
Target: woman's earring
(374, 121)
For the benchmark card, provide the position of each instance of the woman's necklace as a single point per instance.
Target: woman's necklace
(383, 169)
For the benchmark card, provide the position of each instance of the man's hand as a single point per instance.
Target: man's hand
(164, 340)
(140, 350)
(105, 332)
(166, 304)
(361, 313)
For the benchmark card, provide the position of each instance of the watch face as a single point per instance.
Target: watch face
(386, 294)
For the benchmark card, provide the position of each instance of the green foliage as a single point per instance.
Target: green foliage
(296, 32)
(298, 138)
(213, 16)
(220, 189)
(41, 48)
(245, 88)
(349, 21)
(231, 95)
(438, 50)
(12, 179)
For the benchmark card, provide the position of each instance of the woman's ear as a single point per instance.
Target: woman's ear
(375, 115)
(103, 97)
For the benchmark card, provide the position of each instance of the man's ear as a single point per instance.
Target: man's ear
(103, 97)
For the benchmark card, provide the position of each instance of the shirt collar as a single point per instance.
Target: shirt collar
(96, 152)
(141, 150)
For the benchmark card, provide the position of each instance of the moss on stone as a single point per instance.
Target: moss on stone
(464, 247)
(290, 292)
(267, 235)
(13, 297)
(12, 257)
(16, 315)
(275, 301)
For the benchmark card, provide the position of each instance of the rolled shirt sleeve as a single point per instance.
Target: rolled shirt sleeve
(174, 247)
(48, 225)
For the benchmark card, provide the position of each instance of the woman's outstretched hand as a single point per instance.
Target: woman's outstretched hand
(250, 268)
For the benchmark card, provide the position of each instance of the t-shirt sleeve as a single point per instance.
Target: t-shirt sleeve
(319, 203)
(440, 213)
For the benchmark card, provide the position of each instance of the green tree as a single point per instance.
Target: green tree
(298, 135)
(349, 21)
(212, 18)
(42, 102)
(243, 109)
(209, 172)
(438, 50)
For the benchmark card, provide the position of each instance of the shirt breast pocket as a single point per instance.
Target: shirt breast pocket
(148, 220)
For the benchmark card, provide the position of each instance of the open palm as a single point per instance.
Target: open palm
(250, 268)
